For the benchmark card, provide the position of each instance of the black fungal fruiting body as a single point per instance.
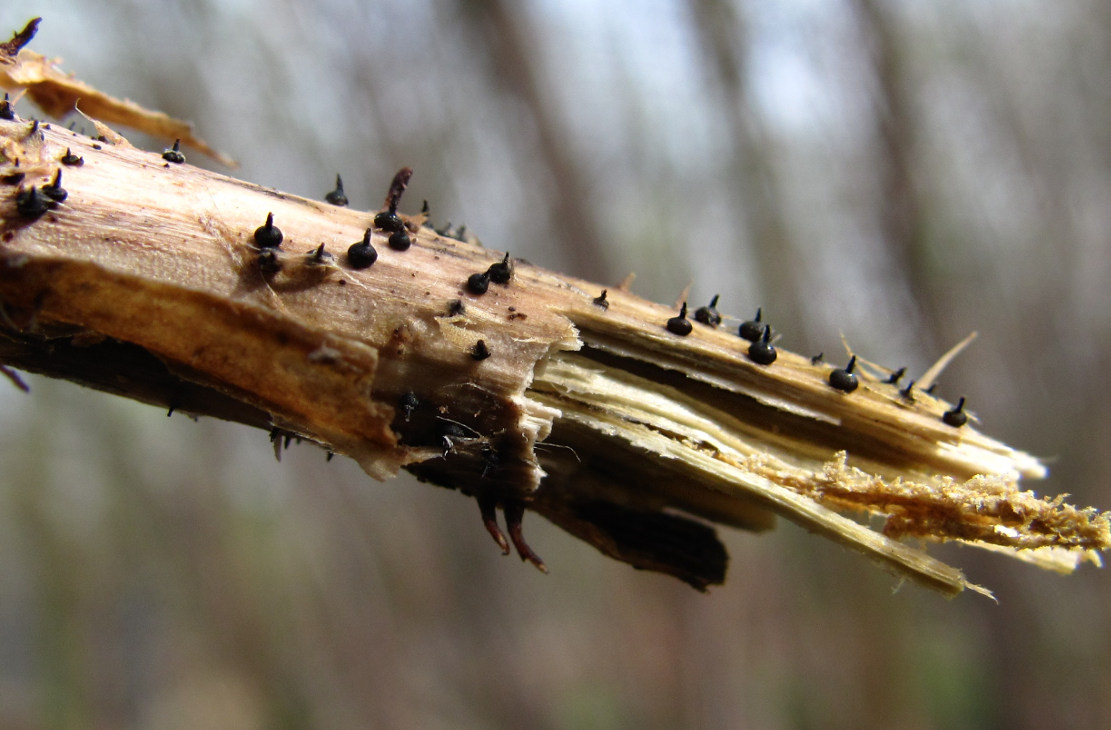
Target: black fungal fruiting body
(955, 417)
(908, 392)
(388, 221)
(895, 377)
(71, 159)
(680, 325)
(174, 154)
(337, 196)
(480, 351)
(456, 307)
(844, 379)
(268, 235)
(13, 178)
(762, 352)
(709, 314)
(6, 111)
(817, 359)
(320, 257)
(478, 283)
(362, 255)
(400, 241)
(54, 190)
(600, 300)
(753, 329)
(31, 204)
(501, 272)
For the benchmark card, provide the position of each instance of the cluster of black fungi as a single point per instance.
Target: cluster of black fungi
(762, 352)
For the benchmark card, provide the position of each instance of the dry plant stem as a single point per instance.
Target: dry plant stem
(148, 281)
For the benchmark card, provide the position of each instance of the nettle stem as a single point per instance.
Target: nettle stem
(375, 336)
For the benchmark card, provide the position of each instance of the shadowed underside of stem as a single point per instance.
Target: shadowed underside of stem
(524, 388)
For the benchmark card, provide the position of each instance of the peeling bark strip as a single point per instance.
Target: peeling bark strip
(609, 415)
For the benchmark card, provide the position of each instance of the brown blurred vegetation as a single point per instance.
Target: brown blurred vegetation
(899, 172)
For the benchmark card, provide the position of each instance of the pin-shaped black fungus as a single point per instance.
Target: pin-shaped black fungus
(13, 178)
(680, 325)
(455, 308)
(54, 189)
(478, 283)
(388, 221)
(337, 196)
(844, 379)
(709, 314)
(501, 272)
(955, 417)
(319, 257)
(896, 376)
(817, 359)
(400, 241)
(931, 389)
(762, 352)
(31, 204)
(268, 261)
(362, 255)
(407, 403)
(174, 153)
(908, 392)
(6, 111)
(71, 159)
(480, 351)
(600, 300)
(426, 211)
(753, 329)
(268, 235)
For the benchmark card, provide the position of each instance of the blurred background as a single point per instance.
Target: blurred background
(899, 172)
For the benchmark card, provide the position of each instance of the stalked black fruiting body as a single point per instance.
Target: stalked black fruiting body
(478, 283)
(31, 204)
(709, 314)
(908, 392)
(174, 153)
(54, 190)
(362, 255)
(400, 241)
(895, 377)
(71, 159)
(753, 329)
(817, 359)
(844, 379)
(456, 308)
(337, 196)
(480, 351)
(388, 221)
(501, 272)
(680, 325)
(600, 300)
(762, 352)
(13, 178)
(6, 111)
(319, 257)
(268, 235)
(955, 417)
